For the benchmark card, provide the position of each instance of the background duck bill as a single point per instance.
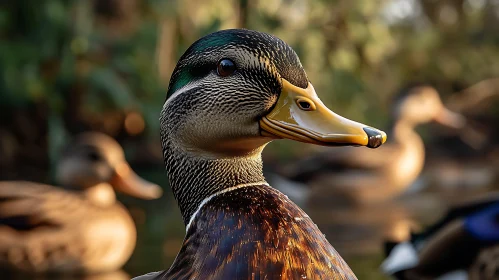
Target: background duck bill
(127, 181)
(300, 115)
(448, 118)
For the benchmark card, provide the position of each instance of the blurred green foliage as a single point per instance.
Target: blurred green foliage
(90, 63)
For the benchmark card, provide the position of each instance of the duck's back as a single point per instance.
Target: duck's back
(255, 232)
(47, 229)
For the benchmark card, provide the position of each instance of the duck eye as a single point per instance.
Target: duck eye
(226, 67)
(93, 156)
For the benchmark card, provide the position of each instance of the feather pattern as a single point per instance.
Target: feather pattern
(255, 232)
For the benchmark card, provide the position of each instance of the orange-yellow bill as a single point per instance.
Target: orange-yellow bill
(300, 115)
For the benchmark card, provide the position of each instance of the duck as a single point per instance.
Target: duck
(463, 244)
(232, 92)
(372, 176)
(78, 229)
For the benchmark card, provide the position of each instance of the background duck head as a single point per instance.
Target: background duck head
(416, 105)
(95, 163)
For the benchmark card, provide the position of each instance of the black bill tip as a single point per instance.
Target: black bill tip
(375, 137)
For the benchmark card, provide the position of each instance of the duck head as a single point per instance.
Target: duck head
(233, 91)
(94, 159)
(422, 104)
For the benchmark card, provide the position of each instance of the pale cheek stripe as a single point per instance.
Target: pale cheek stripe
(182, 90)
(221, 192)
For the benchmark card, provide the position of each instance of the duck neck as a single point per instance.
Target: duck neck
(403, 132)
(194, 177)
(410, 160)
(101, 194)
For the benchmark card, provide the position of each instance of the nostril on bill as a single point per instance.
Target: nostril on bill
(375, 137)
(305, 104)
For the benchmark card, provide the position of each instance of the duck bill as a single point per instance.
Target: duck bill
(448, 118)
(127, 181)
(300, 115)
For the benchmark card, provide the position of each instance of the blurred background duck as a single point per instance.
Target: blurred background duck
(464, 244)
(375, 175)
(80, 229)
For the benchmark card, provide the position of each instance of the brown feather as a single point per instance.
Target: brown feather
(255, 233)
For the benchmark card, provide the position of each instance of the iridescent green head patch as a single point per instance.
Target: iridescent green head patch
(202, 56)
